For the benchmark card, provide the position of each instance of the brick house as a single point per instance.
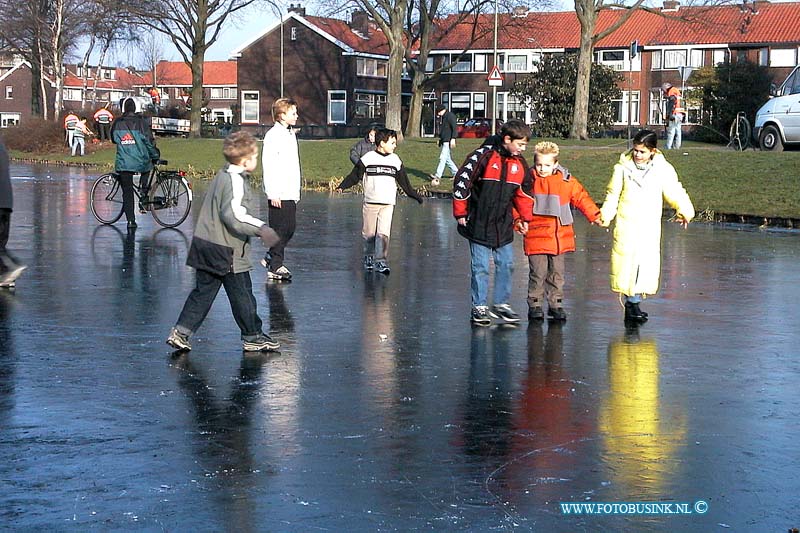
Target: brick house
(15, 93)
(336, 70)
(87, 88)
(174, 82)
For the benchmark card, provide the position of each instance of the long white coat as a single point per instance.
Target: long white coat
(636, 199)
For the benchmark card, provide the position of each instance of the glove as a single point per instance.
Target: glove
(268, 236)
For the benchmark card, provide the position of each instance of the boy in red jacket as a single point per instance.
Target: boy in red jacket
(550, 234)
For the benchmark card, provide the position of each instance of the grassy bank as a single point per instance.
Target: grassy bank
(758, 184)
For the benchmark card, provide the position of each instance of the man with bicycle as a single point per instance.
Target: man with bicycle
(136, 151)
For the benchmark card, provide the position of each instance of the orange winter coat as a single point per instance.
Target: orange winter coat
(550, 231)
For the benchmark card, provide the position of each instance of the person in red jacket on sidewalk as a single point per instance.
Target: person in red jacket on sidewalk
(550, 234)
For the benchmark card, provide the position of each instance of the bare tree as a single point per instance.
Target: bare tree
(192, 26)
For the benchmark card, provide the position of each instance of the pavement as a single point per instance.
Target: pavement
(385, 410)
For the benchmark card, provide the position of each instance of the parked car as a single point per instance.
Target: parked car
(477, 128)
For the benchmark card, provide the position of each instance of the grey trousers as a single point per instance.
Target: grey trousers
(545, 280)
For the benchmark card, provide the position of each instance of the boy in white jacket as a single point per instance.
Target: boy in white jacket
(281, 163)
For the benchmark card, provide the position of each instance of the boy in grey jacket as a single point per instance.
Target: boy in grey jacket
(220, 250)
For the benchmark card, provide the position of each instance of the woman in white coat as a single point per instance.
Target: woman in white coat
(642, 181)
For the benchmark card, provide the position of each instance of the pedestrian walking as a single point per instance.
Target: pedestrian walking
(10, 268)
(282, 180)
(447, 141)
(550, 234)
(381, 171)
(492, 179)
(642, 181)
(220, 250)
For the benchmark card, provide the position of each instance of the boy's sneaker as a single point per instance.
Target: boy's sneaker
(8, 285)
(282, 274)
(480, 316)
(260, 344)
(557, 313)
(179, 341)
(381, 266)
(9, 277)
(265, 262)
(505, 313)
(369, 262)
(535, 313)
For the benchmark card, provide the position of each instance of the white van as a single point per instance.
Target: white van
(778, 121)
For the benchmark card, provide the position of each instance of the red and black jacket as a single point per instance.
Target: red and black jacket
(486, 186)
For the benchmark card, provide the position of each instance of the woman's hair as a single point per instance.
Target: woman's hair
(647, 138)
(546, 148)
(383, 135)
(129, 106)
(239, 146)
(515, 129)
(281, 105)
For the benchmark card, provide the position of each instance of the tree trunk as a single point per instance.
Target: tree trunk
(414, 125)
(42, 81)
(196, 114)
(580, 117)
(58, 56)
(100, 62)
(395, 82)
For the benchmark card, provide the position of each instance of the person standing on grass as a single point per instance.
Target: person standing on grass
(10, 268)
(79, 137)
(447, 140)
(492, 179)
(381, 171)
(282, 181)
(642, 181)
(103, 119)
(220, 250)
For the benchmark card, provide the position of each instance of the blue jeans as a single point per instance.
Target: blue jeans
(446, 159)
(503, 267)
(674, 133)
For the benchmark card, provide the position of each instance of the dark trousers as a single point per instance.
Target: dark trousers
(283, 220)
(126, 180)
(239, 289)
(7, 262)
(103, 131)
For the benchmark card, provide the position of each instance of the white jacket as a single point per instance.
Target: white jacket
(280, 160)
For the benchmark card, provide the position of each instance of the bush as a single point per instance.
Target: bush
(36, 136)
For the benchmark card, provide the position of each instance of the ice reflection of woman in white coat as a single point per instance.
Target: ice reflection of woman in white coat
(642, 181)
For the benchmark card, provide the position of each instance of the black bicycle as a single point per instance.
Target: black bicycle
(168, 199)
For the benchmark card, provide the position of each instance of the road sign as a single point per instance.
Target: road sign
(495, 77)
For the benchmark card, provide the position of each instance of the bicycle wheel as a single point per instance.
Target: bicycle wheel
(740, 133)
(171, 202)
(106, 199)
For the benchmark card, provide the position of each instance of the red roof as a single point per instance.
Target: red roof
(770, 23)
(178, 73)
(374, 43)
(122, 80)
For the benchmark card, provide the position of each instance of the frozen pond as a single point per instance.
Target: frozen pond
(385, 410)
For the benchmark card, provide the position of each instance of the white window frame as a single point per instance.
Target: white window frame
(9, 92)
(463, 65)
(72, 95)
(504, 103)
(222, 93)
(480, 62)
(6, 117)
(675, 58)
(635, 98)
(696, 57)
(783, 57)
(337, 120)
(368, 67)
(293, 33)
(656, 57)
(718, 56)
(247, 119)
(505, 66)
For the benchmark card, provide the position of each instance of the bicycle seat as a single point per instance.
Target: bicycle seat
(162, 162)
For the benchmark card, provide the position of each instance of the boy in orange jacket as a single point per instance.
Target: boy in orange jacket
(550, 234)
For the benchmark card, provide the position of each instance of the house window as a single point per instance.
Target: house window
(696, 58)
(763, 57)
(621, 105)
(513, 63)
(674, 58)
(250, 107)
(618, 60)
(479, 63)
(429, 64)
(73, 95)
(465, 105)
(108, 74)
(9, 92)
(718, 57)
(293, 33)
(461, 64)
(369, 105)
(510, 106)
(366, 66)
(655, 59)
(9, 119)
(782, 57)
(337, 107)
(223, 93)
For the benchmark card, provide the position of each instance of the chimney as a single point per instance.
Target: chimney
(671, 5)
(520, 12)
(299, 9)
(359, 22)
